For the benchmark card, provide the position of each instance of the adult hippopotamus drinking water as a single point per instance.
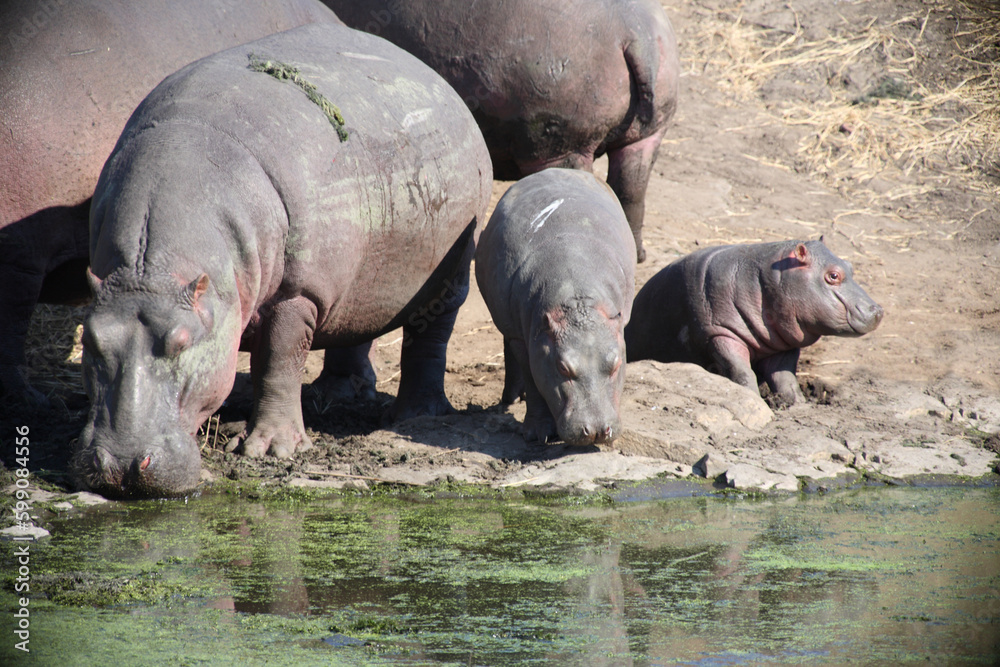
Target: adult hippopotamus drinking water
(556, 267)
(311, 189)
(744, 311)
(552, 83)
(71, 73)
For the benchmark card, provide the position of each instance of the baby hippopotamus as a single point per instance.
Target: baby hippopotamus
(556, 267)
(744, 311)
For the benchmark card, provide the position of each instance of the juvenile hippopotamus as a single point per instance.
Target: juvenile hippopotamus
(744, 311)
(556, 267)
(71, 73)
(312, 189)
(552, 83)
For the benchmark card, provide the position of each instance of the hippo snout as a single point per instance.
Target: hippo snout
(150, 472)
(588, 431)
(865, 317)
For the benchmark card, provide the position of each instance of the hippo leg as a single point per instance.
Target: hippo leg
(731, 358)
(16, 306)
(628, 175)
(276, 363)
(778, 371)
(538, 421)
(425, 345)
(513, 382)
(347, 374)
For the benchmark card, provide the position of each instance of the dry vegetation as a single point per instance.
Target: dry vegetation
(911, 130)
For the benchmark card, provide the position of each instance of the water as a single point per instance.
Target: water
(871, 576)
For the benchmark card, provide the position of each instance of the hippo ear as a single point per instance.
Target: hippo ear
(193, 291)
(94, 282)
(802, 253)
(555, 321)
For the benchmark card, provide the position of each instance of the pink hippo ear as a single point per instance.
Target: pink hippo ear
(193, 291)
(555, 321)
(802, 254)
(94, 282)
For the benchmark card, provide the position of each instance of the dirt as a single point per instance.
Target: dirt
(748, 159)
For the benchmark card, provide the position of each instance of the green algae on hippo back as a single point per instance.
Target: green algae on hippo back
(552, 83)
(236, 188)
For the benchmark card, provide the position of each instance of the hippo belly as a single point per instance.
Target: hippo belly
(315, 188)
(556, 267)
(71, 73)
(552, 83)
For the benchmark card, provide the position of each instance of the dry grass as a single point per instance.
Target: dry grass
(911, 128)
(54, 351)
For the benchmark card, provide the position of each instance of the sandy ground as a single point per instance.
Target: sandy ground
(757, 153)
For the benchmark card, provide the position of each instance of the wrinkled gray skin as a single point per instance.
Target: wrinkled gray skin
(230, 216)
(552, 83)
(71, 73)
(744, 311)
(556, 267)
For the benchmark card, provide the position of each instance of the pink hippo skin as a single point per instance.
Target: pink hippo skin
(744, 311)
(552, 83)
(556, 268)
(71, 73)
(235, 213)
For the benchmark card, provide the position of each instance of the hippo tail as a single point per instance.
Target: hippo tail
(642, 57)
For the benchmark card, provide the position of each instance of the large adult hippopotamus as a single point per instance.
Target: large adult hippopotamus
(315, 188)
(552, 83)
(745, 311)
(556, 267)
(71, 73)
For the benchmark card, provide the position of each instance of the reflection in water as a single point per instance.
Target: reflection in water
(872, 576)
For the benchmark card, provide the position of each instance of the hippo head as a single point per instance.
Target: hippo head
(816, 296)
(156, 364)
(577, 360)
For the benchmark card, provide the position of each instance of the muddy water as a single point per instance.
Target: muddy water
(871, 576)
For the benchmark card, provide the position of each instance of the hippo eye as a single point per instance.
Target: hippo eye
(834, 277)
(566, 370)
(614, 363)
(177, 341)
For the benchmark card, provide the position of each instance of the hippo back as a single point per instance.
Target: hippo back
(355, 196)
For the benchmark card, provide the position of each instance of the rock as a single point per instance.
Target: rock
(19, 532)
(87, 499)
(709, 466)
(746, 476)
(62, 506)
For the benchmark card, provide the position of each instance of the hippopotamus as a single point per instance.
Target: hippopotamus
(71, 73)
(552, 83)
(556, 268)
(745, 311)
(312, 189)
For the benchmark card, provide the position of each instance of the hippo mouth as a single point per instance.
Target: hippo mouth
(153, 473)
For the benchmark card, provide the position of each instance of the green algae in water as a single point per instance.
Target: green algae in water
(887, 576)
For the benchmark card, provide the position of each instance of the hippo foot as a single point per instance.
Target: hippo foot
(281, 441)
(539, 429)
(337, 389)
(640, 254)
(418, 406)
